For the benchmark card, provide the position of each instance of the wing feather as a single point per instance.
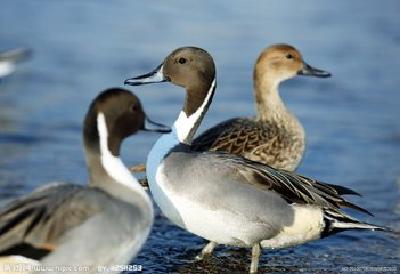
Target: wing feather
(290, 186)
(38, 220)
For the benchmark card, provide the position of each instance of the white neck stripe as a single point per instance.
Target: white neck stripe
(183, 125)
(113, 164)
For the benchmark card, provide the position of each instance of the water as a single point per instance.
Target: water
(351, 120)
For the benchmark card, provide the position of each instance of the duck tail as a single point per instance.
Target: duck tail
(360, 225)
(336, 221)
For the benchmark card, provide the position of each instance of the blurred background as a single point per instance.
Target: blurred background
(351, 120)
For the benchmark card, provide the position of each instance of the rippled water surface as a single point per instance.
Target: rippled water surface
(351, 120)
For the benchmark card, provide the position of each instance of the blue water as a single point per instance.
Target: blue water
(351, 121)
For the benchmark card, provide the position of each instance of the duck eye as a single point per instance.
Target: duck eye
(182, 60)
(289, 56)
(134, 108)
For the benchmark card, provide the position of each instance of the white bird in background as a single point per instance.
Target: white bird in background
(9, 59)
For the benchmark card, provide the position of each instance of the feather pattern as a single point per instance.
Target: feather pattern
(276, 142)
(291, 187)
(41, 218)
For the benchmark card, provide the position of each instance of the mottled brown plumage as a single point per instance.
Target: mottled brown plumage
(274, 136)
(265, 142)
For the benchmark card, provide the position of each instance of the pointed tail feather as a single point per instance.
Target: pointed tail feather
(337, 221)
(346, 226)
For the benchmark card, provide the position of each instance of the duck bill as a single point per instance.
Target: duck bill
(311, 71)
(156, 76)
(152, 126)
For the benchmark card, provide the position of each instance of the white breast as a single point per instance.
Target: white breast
(157, 179)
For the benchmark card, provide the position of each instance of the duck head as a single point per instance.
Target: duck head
(280, 62)
(188, 67)
(122, 114)
(193, 69)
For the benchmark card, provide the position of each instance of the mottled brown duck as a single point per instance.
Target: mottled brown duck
(274, 136)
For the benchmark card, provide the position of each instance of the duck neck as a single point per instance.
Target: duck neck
(269, 105)
(197, 102)
(106, 170)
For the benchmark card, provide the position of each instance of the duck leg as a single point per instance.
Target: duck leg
(207, 251)
(255, 258)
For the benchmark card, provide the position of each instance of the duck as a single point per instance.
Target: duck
(225, 198)
(274, 136)
(102, 224)
(9, 59)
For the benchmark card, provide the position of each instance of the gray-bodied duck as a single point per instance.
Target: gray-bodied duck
(226, 198)
(102, 224)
